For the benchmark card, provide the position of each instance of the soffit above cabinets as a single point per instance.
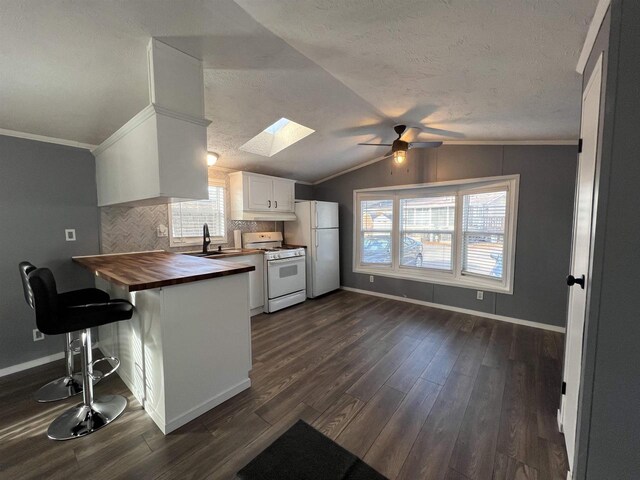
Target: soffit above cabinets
(159, 156)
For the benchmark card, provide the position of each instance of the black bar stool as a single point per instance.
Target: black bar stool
(54, 317)
(71, 383)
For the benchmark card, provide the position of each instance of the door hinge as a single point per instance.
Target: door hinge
(580, 146)
(564, 388)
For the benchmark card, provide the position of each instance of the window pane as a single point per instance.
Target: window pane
(377, 215)
(426, 250)
(376, 248)
(187, 218)
(426, 229)
(483, 224)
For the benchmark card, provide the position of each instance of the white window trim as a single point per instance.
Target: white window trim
(455, 277)
(191, 241)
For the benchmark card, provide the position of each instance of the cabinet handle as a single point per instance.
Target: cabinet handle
(276, 202)
(269, 203)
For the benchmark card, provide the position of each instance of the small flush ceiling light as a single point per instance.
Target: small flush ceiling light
(212, 158)
(399, 156)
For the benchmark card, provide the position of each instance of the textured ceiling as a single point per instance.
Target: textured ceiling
(481, 70)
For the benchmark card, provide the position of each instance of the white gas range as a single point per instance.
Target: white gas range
(284, 272)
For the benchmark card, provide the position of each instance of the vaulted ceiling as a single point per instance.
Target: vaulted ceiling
(469, 70)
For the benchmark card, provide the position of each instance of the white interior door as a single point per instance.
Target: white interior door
(580, 257)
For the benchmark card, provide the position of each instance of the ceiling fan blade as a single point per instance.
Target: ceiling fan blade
(441, 132)
(376, 144)
(410, 134)
(424, 144)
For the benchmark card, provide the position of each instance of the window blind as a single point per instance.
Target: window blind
(376, 224)
(483, 230)
(187, 218)
(426, 231)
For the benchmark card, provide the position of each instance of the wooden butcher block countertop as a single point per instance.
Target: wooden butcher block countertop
(146, 270)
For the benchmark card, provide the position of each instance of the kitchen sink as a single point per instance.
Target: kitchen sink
(212, 253)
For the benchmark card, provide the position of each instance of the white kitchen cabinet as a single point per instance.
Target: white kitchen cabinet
(283, 194)
(261, 197)
(259, 192)
(256, 279)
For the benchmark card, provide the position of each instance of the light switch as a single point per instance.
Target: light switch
(70, 234)
(480, 295)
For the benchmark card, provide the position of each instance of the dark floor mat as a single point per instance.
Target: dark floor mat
(303, 453)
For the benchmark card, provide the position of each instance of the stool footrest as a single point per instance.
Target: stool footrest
(101, 375)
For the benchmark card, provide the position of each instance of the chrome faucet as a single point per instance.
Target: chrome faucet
(206, 239)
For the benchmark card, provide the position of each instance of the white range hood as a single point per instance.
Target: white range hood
(159, 156)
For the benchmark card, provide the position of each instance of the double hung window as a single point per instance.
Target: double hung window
(187, 218)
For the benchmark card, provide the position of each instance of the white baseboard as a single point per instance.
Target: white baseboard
(492, 316)
(195, 412)
(31, 363)
(559, 419)
(35, 363)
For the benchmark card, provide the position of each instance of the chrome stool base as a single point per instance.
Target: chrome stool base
(82, 419)
(59, 389)
(62, 388)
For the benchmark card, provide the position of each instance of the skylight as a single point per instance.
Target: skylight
(276, 137)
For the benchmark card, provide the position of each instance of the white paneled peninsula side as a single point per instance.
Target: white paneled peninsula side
(188, 346)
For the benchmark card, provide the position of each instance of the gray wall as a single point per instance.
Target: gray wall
(304, 192)
(547, 182)
(609, 418)
(44, 188)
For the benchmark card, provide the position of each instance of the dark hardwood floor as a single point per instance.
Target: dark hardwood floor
(417, 392)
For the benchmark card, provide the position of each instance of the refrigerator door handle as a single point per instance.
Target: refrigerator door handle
(316, 232)
(316, 225)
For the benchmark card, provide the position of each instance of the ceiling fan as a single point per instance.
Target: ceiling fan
(399, 147)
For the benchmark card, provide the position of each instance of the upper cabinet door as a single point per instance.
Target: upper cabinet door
(283, 193)
(259, 191)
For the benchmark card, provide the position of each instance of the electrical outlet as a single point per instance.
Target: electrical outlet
(480, 295)
(37, 335)
(70, 234)
(370, 278)
(162, 231)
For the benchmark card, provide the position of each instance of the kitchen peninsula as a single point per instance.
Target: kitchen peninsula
(188, 346)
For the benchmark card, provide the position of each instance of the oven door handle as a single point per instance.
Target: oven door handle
(281, 261)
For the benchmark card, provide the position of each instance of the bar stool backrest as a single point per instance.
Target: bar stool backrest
(25, 269)
(45, 296)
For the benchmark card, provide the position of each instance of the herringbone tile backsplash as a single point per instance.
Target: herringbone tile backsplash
(125, 229)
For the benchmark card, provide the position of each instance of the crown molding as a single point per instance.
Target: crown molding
(592, 34)
(511, 142)
(43, 138)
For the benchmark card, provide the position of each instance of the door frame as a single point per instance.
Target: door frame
(596, 74)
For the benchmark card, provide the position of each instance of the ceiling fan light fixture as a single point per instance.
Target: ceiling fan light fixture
(399, 156)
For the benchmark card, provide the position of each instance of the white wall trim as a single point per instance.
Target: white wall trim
(456, 142)
(31, 363)
(592, 34)
(351, 169)
(43, 138)
(195, 412)
(492, 316)
(511, 142)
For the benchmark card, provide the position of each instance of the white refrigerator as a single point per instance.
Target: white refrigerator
(316, 228)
